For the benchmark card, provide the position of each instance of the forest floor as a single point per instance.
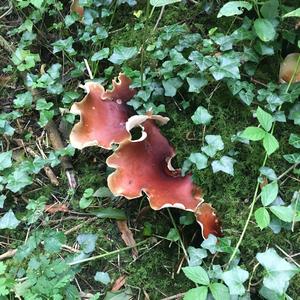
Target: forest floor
(208, 75)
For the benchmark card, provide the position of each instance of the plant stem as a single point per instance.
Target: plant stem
(255, 197)
(143, 44)
(180, 239)
(245, 227)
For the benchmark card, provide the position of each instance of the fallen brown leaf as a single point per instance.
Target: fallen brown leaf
(56, 207)
(119, 283)
(127, 237)
(75, 7)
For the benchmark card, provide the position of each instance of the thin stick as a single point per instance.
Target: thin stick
(57, 144)
(178, 296)
(106, 254)
(80, 225)
(88, 69)
(287, 255)
(159, 17)
(295, 212)
(8, 254)
(251, 277)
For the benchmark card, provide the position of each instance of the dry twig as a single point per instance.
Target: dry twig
(8, 254)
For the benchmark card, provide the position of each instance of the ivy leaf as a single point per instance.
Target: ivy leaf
(196, 255)
(45, 117)
(159, 3)
(270, 295)
(5, 160)
(54, 241)
(210, 244)
(234, 279)
(196, 84)
(264, 118)
(173, 235)
(293, 13)
(292, 158)
(187, 218)
(177, 58)
(37, 3)
(228, 67)
(9, 221)
(196, 274)
(215, 144)
(225, 164)
(233, 8)
(295, 114)
(102, 54)
(171, 85)
(87, 241)
(246, 96)
(279, 271)
(253, 133)
(294, 140)
(5, 128)
(101, 34)
(264, 29)
(284, 213)
(64, 45)
(215, 272)
(18, 180)
(269, 193)
(199, 159)
(262, 217)
(121, 54)
(24, 59)
(219, 291)
(102, 277)
(23, 100)
(201, 116)
(199, 293)
(2, 199)
(268, 172)
(270, 143)
(269, 9)
(42, 104)
(69, 97)
(202, 62)
(125, 294)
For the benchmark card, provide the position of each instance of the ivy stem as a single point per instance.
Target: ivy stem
(255, 197)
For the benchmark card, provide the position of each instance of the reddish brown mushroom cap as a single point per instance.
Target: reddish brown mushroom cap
(208, 220)
(103, 115)
(144, 166)
(288, 67)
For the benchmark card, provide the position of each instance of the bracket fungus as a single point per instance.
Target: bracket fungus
(103, 115)
(144, 165)
(288, 67)
(141, 165)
